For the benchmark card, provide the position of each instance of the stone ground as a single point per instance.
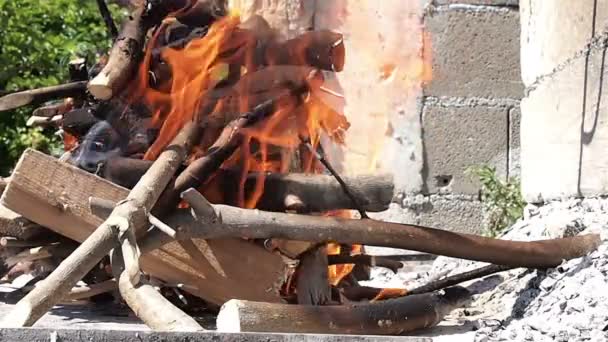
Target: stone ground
(568, 303)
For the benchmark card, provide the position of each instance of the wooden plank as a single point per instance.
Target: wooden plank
(55, 195)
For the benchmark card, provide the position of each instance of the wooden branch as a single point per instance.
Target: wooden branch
(367, 260)
(3, 182)
(107, 19)
(256, 224)
(56, 195)
(202, 13)
(24, 98)
(360, 293)
(54, 109)
(132, 212)
(43, 121)
(389, 317)
(88, 291)
(127, 50)
(148, 304)
(460, 278)
(312, 283)
(9, 242)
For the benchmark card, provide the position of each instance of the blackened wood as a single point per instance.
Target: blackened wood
(368, 260)
(107, 19)
(360, 293)
(460, 278)
(388, 317)
(312, 283)
(34, 96)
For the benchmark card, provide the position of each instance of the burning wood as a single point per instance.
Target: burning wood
(194, 104)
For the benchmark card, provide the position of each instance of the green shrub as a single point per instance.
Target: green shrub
(38, 39)
(502, 201)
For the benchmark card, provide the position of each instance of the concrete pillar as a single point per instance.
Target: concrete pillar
(564, 123)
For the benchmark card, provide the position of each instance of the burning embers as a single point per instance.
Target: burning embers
(215, 126)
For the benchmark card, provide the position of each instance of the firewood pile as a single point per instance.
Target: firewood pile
(193, 176)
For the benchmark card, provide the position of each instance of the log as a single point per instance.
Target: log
(59, 251)
(128, 46)
(34, 96)
(389, 317)
(367, 260)
(42, 183)
(129, 217)
(255, 224)
(315, 193)
(88, 291)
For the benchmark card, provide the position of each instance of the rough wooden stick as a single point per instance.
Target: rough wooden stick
(88, 291)
(256, 224)
(360, 293)
(9, 241)
(127, 50)
(459, 278)
(148, 304)
(107, 19)
(133, 210)
(368, 260)
(312, 283)
(389, 317)
(23, 98)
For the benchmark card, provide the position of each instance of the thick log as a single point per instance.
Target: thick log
(256, 224)
(311, 192)
(42, 183)
(389, 317)
(24, 98)
(367, 260)
(127, 49)
(129, 217)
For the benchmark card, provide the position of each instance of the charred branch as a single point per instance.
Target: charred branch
(389, 317)
(460, 278)
(360, 293)
(107, 19)
(367, 260)
(24, 98)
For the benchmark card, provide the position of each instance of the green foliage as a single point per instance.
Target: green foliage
(502, 200)
(38, 39)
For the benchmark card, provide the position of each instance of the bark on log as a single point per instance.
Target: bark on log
(132, 211)
(367, 260)
(389, 317)
(315, 193)
(256, 224)
(34, 96)
(56, 195)
(127, 50)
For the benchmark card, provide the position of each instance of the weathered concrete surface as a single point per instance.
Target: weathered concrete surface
(514, 142)
(458, 213)
(565, 131)
(290, 18)
(380, 84)
(475, 52)
(478, 2)
(553, 32)
(456, 138)
(72, 335)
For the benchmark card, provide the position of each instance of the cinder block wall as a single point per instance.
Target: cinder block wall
(470, 111)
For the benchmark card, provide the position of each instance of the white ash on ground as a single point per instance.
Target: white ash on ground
(567, 303)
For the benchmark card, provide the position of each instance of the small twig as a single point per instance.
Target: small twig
(107, 18)
(368, 260)
(321, 157)
(459, 278)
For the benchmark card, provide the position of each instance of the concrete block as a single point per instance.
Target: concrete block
(552, 32)
(565, 132)
(514, 169)
(457, 138)
(453, 214)
(381, 86)
(290, 18)
(477, 2)
(475, 52)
